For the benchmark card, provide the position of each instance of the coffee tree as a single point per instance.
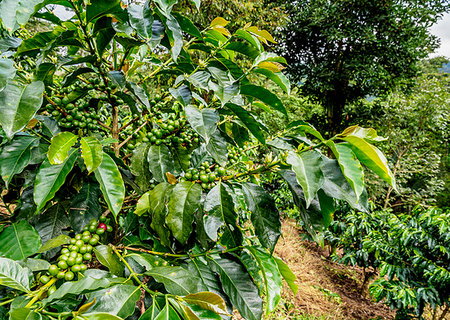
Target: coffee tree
(131, 157)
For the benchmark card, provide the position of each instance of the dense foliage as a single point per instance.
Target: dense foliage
(342, 51)
(411, 251)
(131, 164)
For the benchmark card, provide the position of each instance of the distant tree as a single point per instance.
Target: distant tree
(342, 51)
(261, 13)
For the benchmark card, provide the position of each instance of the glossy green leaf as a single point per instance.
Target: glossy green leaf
(99, 316)
(25, 314)
(182, 94)
(119, 300)
(264, 214)
(98, 8)
(350, 166)
(45, 72)
(187, 25)
(372, 157)
(82, 286)
(19, 241)
(92, 153)
(175, 36)
(111, 184)
(141, 19)
(18, 105)
(369, 134)
(85, 206)
(303, 127)
(183, 202)
(143, 204)
(54, 243)
(60, 147)
(160, 162)
(15, 156)
(72, 77)
(337, 186)
(168, 313)
(265, 96)
(208, 279)
(106, 256)
(35, 264)
(39, 41)
(176, 280)
(272, 277)
(278, 77)
(204, 121)
(14, 13)
(150, 313)
(219, 207)
(217, 148)
(247, 119)
(287, 274)
(243, 48)
(50, 178)
(157, 200)
(14, 276)
(166, 5)
(139, 166)
(208, 301)
(239, 288)
(7, 71)
(313, 217)
(306, 166)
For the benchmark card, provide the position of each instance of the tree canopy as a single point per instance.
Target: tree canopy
(341, 51)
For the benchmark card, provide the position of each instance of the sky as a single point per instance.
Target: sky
(442, 30)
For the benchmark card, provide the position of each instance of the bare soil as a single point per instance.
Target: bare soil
(326, 288)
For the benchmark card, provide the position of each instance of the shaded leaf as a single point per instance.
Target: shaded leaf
(108, 258)
(15, 156)
(111, 184)
(306, 166)
(176, 280)
(264, 214)
(183, 202)
(19, 241)
(350, 166)
(271, 275)
(85, 206)
(18, 105)
(204, 121)
(60, 147)
(119, 300)
(14, 276)
(160, 161)
(239, 288)
(265, 96)
(92, 153)
(50, 178)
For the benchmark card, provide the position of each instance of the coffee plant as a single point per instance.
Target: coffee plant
(131, 159)
(410, 251)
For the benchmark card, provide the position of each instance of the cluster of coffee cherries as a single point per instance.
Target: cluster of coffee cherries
(74, 257)
(206, 174)
(171, 130)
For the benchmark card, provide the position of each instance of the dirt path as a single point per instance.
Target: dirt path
(328, 290)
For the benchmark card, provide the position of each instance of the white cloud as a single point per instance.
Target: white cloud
(442, 30)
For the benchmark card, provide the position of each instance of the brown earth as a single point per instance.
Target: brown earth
(327, 290)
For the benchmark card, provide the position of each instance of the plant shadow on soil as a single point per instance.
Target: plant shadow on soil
(327, 290)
